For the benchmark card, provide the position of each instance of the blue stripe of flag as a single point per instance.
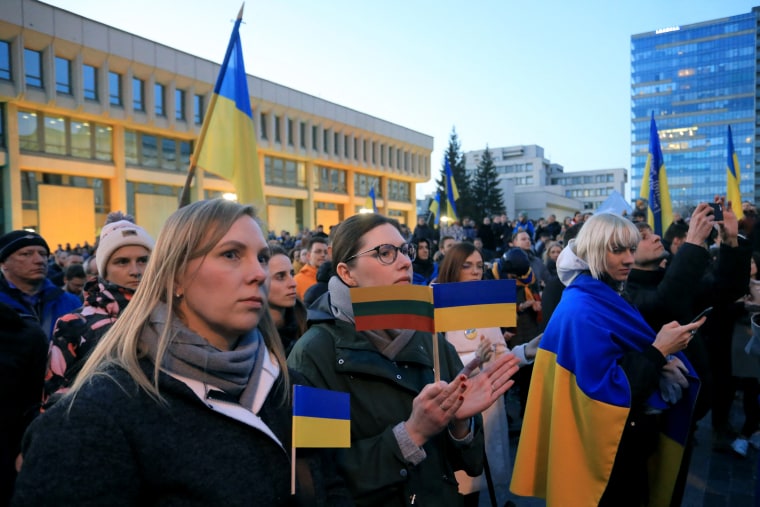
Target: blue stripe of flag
(321, 403)
(484, 292)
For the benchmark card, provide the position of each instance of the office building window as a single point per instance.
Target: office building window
(330, 180)
(62, 75)
(138, 94)
(28, 131)
(277, 128)
(3, 140)
(264, 118)
(5, 60)
(198, 109)
(103, 142)
(302, 134)
(356, 148)
(33, 68)
(284, 173)
(169, 154)
(290, 131)
(326, 141)
(159, 91)
(81, 139)
(54, 135)
(336, 143)
(149, 151)
(346, 145)
(364, 150)
(90, 80)
(315, 138)
(114, 89)
(179, 105)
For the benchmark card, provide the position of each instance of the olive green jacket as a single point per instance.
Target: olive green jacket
(332, 355)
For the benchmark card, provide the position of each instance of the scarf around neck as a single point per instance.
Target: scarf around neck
(236, 372)
(389, 342)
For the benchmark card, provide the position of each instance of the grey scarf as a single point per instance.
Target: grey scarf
(236, 372)
(389, 342)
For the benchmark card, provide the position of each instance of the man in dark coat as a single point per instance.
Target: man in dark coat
(23, 355)
(687, 287)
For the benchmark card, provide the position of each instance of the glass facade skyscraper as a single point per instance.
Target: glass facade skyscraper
(697, 80)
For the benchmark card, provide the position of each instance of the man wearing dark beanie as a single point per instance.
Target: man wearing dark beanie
(23, 280)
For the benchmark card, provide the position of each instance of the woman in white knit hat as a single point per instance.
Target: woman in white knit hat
(121, 257)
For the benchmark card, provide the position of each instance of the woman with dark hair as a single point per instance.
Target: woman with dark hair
(185, 401)
(464, 263)
(610, 401)
(409, 433)
(425, 270)
(287, 311)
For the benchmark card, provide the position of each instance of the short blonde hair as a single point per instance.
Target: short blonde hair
(603, 233)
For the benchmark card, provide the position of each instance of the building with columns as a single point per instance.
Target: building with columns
(94, 119)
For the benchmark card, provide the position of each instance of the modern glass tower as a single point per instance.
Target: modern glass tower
(697, 79)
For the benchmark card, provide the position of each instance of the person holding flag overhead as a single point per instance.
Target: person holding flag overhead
(186, 400)
(409, 433)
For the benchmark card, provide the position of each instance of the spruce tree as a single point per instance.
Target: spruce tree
(455, 156)
(488, 198)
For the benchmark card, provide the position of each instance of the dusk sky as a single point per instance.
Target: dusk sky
(548, 72)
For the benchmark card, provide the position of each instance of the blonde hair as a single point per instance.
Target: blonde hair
(189, 233)
(603, 233)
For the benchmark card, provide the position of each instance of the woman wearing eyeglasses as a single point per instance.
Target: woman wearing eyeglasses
(409, 434)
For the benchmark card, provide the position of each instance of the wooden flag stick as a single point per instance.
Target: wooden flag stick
(436, 359)
(293, 472)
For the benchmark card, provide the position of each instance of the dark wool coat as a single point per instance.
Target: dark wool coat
(115, 445)
(333, 355)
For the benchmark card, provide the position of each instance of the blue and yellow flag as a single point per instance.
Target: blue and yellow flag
(370, 203)
(452, 193)
(321, 418)
(227, 143)
(733, 178)
(435, 208)
(580, 399)
(654, 185)
(485, 303)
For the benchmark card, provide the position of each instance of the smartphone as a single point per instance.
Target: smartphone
(703, 313)
(717, 211)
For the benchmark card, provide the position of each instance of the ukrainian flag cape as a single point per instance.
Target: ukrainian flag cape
(580, 398)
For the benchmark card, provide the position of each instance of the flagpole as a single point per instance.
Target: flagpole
(436, 359)
(184, 198)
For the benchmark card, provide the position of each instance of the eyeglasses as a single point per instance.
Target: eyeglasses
(387, 254)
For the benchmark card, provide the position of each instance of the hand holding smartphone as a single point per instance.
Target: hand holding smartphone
(717, 211)
(703, 313)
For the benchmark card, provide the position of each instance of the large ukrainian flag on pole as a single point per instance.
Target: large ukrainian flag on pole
(733, 178)
(654, 185)
(227, 143)
(452, 193)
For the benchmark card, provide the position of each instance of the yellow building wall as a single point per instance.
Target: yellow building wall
(67, 215)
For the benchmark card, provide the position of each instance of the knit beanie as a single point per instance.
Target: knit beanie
(116, 235)
(16, 240)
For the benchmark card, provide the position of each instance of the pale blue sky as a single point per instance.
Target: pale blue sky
(550, 72)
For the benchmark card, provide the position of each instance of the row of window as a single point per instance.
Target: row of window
(514, 168)
(588, 192)
(283, 131)
(59, 135)
(34, 77)
(580, 180)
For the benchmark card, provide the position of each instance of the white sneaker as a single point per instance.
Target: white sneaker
(754, 440)
(740, 447)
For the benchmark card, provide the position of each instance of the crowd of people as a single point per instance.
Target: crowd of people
(161, 370)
